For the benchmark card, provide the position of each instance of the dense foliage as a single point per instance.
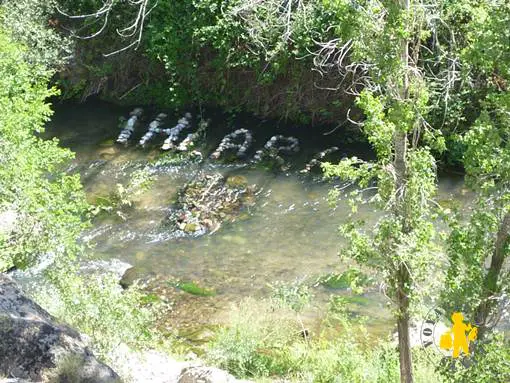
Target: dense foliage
(47, 204)
(31, 23)
(236, 54)
(479, 249)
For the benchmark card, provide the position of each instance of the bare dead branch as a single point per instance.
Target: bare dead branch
(132, 31)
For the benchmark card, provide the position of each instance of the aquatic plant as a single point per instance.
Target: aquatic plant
(352, 278)
(193, 288)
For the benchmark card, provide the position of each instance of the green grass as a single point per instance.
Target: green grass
(264, 342)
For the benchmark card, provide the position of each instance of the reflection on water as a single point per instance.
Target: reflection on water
(291, 232)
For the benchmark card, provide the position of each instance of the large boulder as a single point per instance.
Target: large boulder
(35, 347)
(151, 366)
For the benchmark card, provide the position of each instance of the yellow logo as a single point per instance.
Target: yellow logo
(459, 336)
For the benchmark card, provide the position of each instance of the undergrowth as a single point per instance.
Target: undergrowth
(264, 340)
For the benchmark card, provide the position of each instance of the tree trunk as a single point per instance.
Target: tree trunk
(490, 285)
(404, 345)
(400, 143)
(402, 274)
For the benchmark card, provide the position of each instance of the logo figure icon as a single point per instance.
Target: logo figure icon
(459, 336)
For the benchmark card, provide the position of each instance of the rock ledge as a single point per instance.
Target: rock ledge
(35, 347)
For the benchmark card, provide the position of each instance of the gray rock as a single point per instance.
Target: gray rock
(136, 274)
(8, 220)
(113, 266)
(201, 374)
(34, 346)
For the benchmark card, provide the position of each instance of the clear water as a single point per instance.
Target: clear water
(291, 232)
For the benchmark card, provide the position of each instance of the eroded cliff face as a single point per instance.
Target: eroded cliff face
(35, 347)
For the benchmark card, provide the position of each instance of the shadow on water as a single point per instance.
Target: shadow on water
(291, 233)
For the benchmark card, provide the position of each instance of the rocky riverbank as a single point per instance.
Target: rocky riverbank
(35, 347)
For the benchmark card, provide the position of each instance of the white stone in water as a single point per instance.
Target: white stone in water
(271, 150)
(196, 153)
(186, 143)
(228, 143)
(112, 266)
(129, 128)
(173, 133)
(154, 127)
(319, 156)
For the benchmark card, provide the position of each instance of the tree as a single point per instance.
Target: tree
(98, 20)
(28, 23)
(479, 249)
(382, 54)
(47, 205)
(43, 211)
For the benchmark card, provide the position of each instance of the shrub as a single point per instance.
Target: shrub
(252, 344)
(100, 308)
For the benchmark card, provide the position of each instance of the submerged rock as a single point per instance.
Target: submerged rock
(209, 200)
(136, 274)
(34, 346)
(237, 182)
(107, 153)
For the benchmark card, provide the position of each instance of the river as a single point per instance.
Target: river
(291, 233)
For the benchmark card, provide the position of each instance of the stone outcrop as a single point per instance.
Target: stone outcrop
(35, 347)
(151, 366)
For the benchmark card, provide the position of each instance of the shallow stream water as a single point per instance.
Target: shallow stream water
(290, 233)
